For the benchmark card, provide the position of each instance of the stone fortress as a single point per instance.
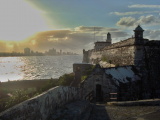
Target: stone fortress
(126, 52)
(137, 75)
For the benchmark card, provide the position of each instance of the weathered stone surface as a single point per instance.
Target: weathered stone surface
(147, 102)
(85, 114)
(103, 112)
(82, 66)
(110, 80)
(70, 111)
(41, 106)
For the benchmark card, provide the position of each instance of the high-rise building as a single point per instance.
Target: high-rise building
(27, 51)
(61, 52)
(52, 51)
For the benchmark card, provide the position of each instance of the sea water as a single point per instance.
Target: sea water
(36, 67)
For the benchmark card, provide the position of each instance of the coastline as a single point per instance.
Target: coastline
(33, 55)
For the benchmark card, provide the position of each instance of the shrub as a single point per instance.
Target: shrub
(104, 59)
(65, 79)
(83, 77)
(117, 65)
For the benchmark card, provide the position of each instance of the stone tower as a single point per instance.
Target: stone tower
(108, 37)
(138, 32)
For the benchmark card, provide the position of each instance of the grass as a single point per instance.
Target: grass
(83, 77)
(104, 59)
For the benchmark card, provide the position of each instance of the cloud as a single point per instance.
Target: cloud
(143, 20)
(126, 21)
(67, 40)
(152, 34)
(92, 28)
(119, 34)
(132, 13)
(150, 19)
(144, 6)
(2, 46)
(55, 33)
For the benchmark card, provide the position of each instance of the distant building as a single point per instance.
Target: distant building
(101, 44)
(27, 51)
(61, 52)
(52, 51)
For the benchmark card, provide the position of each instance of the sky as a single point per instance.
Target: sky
(73, 25)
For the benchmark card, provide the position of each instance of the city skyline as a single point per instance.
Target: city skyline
(29, 52)
(70, 24)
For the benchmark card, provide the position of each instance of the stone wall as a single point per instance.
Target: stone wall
(98, 77)
(152, 67)
(122, 55)
(127, 42)
(82, 66)
(110, 80)
(126, 52)
(41, 106)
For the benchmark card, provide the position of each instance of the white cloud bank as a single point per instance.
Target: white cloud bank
(144, 6)
(133, 13)
(143, 20)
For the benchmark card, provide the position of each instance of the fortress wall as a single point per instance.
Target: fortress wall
(121, 52)
(41, 106)
(122, 55)
(82, 66)
(127, 42)
(126, 52)
(95, 56)
(152, 63)
(139, 55)
(91, 56)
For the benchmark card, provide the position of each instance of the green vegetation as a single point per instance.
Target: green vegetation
(18, 97)
(87, 72)
(6, 90)
(104, 59)
(21, 95)
(83, 77)
(117, 65)
(65, 79)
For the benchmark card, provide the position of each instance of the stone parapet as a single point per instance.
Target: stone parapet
(41, 106)
(127, 42)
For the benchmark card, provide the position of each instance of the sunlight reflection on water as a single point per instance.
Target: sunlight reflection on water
(36, 67)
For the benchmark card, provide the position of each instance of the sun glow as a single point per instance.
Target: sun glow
(18, 20)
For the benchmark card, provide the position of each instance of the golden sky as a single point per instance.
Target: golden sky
(69, 25)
